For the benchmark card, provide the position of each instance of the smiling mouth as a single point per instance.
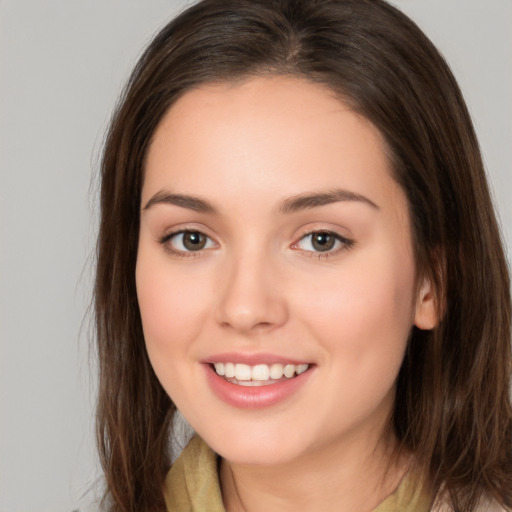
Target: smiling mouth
(258, 375)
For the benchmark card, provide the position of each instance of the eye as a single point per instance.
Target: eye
(187, 241)
(323, 241)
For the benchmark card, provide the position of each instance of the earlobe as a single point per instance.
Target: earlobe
(426, 314)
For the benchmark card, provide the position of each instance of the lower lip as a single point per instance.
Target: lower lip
(254, 397)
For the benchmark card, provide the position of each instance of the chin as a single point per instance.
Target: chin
(254, 446)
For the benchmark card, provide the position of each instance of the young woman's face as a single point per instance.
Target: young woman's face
(274, 239)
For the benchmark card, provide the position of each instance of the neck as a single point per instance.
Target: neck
(348, 476)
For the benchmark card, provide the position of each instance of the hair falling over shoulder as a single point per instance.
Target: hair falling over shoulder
(452, 409)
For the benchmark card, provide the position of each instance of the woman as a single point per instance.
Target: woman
(298, 251)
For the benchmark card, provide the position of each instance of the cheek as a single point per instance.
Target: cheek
(364, 312)
(171, 305)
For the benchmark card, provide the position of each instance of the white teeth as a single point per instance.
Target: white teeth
(289, 370)
(302, 368)
(276, 371)
(242, 372)
(229, 370)
(259, 372)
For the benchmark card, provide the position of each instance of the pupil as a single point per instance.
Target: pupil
(323, 241)
(194, 241)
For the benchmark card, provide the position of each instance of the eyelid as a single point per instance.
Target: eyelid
(346, 243)
(166, 239)
(343, 243)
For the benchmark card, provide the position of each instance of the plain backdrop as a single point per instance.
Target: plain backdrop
(62, 65)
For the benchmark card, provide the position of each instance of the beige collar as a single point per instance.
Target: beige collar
(192, 484)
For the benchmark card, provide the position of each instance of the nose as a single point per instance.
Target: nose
(251, 297)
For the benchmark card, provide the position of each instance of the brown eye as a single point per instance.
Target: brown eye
(194, 241)
(187, 241)
(322, 242)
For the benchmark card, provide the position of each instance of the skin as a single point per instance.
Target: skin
(259, 285)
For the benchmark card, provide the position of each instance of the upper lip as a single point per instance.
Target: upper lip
(252, 359)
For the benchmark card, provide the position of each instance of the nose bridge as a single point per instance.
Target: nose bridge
(250, 298)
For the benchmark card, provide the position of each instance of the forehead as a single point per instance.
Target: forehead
(263, 106)
(279, 135)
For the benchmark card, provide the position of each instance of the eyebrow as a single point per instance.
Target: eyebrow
(304, 201)
(190, 202)
(314, 200)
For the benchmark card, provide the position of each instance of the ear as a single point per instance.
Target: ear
(426, 313)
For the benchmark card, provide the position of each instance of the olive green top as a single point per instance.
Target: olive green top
(192, 485)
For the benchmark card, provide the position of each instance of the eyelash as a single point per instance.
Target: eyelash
(345, 244)
(166, 239)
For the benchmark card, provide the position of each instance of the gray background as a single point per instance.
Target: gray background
(63, 63)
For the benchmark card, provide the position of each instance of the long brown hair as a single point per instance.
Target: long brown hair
(452, 406)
